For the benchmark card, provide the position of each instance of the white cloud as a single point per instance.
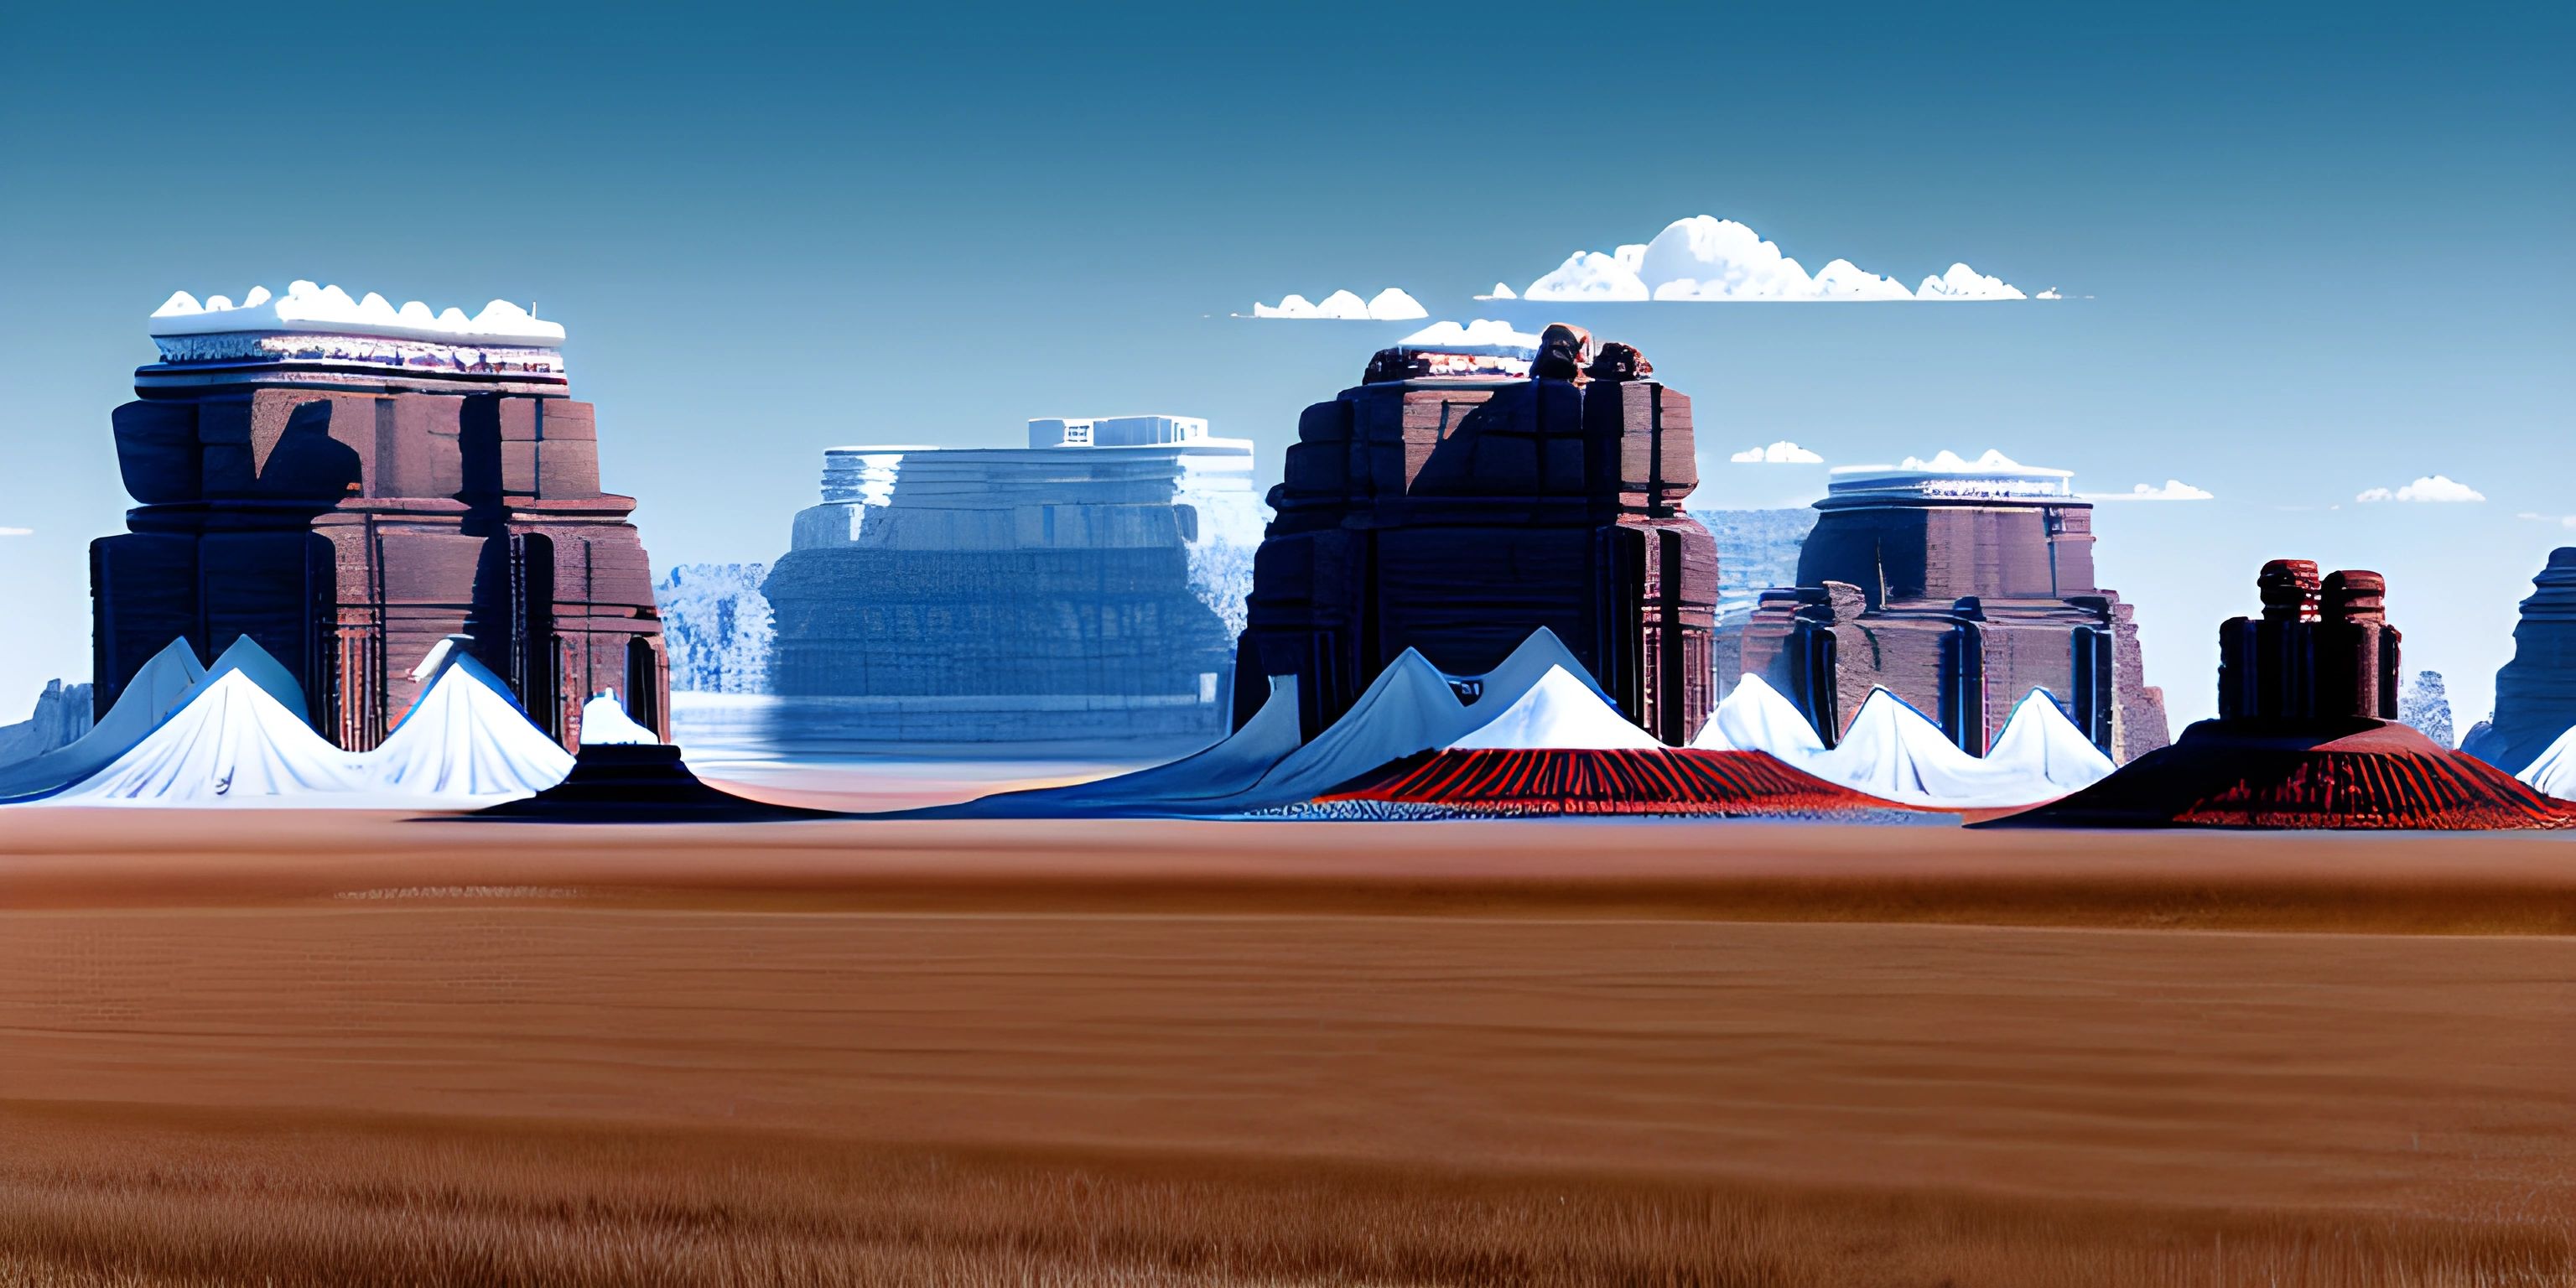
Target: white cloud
(2173, 490)
(1706, 258)
(2437, 488)
(1389, 305)
(1501, 291)
(2049, 294)
(17, 532)
(1965, 283)
(1783, 452)
(2562, 520)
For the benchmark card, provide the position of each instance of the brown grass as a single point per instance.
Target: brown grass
(91, 1199)
(365, 1051)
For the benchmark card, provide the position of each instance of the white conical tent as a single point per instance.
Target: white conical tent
(1408, 709)
(604, 723)
(1895, 752)
(233, 743)
(2554, 774)
(1231, 766)
(1757, 717)
(158, 688)
(1559, 712)
(1528, 661)
(465, 741)
(263, 669)
(2041, 745)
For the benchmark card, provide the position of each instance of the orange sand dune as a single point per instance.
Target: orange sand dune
(1867, 1055)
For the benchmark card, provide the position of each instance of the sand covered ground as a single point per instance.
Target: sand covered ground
(318, 1048)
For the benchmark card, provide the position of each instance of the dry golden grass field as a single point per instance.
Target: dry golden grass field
(310, 1049)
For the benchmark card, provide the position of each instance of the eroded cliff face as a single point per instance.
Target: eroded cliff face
(717, 626)
(1455, 515)
(1961, 605)
(2536, 691)
(62, 714)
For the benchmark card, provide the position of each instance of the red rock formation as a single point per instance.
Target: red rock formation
(1736, 784)
(1457, 514)
(2306, 735)
(349, 517)
(1960, 590)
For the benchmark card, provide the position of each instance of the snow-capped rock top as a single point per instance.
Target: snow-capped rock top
(307, 307)
(1484, 335)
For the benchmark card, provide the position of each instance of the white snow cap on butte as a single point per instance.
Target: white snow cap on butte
(1707, 258)
(1484, 335)
(308, 307)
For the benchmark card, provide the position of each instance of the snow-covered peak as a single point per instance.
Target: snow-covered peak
(307, 306)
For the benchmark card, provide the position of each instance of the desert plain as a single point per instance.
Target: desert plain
(308, 1047)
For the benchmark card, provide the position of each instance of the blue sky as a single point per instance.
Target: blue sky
(2315, 250)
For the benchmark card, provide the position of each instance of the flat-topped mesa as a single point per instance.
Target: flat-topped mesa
(318, 337)
(1084, 588)
(349, 483)
(2536, 691)
(1480, 483)
(1960, 586)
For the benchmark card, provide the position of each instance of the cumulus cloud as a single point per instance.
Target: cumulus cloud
(2438, 489)
(1389, 305)
(2049, 294)
(2173, 490)
(17, 532)
(1707, 258)
(1783, 452)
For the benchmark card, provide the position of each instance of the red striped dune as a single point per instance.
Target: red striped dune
(2378, 778)
(1568, 781)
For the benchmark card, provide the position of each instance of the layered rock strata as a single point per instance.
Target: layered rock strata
(1073, 590)
(1960, 587)
(2536, 691)
(349, 490)
(1456, 513)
